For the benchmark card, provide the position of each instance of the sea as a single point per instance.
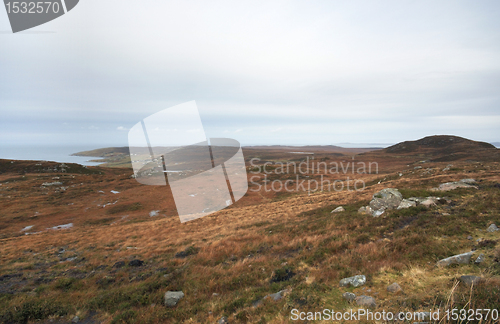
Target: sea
(48, 153)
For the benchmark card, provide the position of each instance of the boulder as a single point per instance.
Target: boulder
(470, 280)
(349, 296)
(388, 198)
(405, 203)
(355, 281)
(463, 258)
(338, 209)
(366, 301)
(173, 297)
(492, 228)
(464, 183)
(394, 288)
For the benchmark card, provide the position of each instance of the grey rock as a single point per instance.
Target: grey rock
(468, 181)
(469, 238)
(223, 320)
(277, 296)
(479, 259)
(394, 288)
(470, 280)
(355, 281)
(154, 213)
(338, 209)
(377, 213)
(388, 198)
(492, 228)
(75, 319)
(366, 301)
(349, 296)
(429, 202)
(55, 183)
(463, 258)
(173, 297)
(405, 203)
(464, 183)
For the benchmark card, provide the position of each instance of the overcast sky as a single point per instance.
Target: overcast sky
(261, 72)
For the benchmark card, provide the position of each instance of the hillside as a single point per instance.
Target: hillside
(444, 148)
(253, 262)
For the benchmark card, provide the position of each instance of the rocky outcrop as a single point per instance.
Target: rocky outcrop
(388, 198)
(464, 183)
(406, 203)
(463, 258)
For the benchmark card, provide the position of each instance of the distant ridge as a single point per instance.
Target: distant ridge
(446, 148)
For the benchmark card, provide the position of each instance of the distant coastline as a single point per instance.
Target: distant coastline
(61, 154)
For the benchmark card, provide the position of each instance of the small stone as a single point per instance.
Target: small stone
(223, 320)
(349, 296)
(479, 259)
(394, 288)
(119, 264)
(338, 209)
(355, 281)
(469, 238)
(173, 297)
(75, 319)
(136, 263)
(463, 258)
(366, 301)
(492, 228)
(470, 280)
(154, 213)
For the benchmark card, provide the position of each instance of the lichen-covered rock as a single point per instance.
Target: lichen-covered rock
(349, 296)
(463, 258)
(355, 281)
(405, 203)
(464, 183)
(388, 198)
(338, 209)
(492, 228)
(394, 288)
(366, 301)
(173, 297)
